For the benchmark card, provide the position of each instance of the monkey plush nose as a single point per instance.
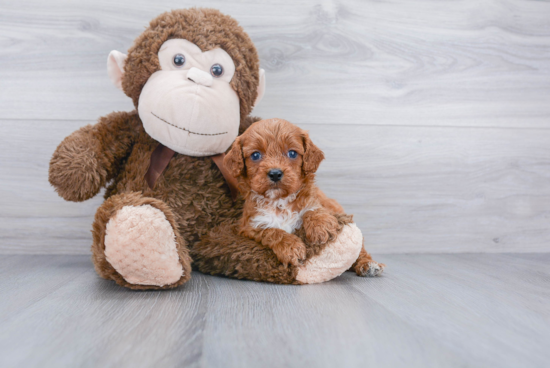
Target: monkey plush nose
(199, 76)
(275, 175)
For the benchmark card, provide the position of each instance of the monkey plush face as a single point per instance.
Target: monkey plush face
(189, 105)
(191, 89)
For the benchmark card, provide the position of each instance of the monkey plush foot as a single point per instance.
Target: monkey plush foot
(136, 243)
(140, 244)
(224, 252)
(335, 259)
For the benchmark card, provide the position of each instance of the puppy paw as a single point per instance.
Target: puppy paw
(320, 227)
(291, 252)
(369, 269)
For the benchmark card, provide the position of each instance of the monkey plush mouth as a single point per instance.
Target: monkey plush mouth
(186, 117)
(187, 130)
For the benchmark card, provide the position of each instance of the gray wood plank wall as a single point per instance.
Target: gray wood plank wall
(434, 115)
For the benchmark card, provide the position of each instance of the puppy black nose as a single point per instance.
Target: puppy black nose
(275, 175)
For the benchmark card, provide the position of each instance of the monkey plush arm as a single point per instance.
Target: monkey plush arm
(88, 158)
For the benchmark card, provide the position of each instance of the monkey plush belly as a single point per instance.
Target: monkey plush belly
(193, 187)
(198, 194)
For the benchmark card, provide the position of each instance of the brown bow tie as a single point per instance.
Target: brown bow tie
(162, 155)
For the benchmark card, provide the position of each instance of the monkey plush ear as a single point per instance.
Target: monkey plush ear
(312, 155)
(115, 67)
(261, 88)
(233, 160)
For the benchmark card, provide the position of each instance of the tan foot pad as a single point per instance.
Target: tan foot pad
(335, 259)
(141, 246)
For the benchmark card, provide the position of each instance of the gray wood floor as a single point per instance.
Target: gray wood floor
(467, 310)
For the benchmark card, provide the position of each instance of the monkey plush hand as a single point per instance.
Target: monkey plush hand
(194, 77)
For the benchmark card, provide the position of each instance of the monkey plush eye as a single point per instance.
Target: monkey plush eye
(256, 156)
(179, 60)
(216, 70)
(292, 154)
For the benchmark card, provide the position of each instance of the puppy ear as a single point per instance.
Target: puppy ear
(233, 160)
(312, 155)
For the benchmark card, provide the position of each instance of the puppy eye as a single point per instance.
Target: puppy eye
(256, 156)
(216, 70)
(179, 60)
(292, 154)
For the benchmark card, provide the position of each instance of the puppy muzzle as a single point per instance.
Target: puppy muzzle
(275, 175)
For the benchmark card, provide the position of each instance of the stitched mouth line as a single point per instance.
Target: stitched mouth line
(187, 130)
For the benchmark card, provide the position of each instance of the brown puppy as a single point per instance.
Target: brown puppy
(275, 163)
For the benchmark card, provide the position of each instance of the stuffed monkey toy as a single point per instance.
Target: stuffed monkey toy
(194, 77)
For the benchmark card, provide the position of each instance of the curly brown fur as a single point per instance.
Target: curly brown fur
(288, 248)
(75, 172)
(292, 199)
(206, 28)
(191, 192)
(319, 226)
(218, 252)
(314, 249)
(193, 187)
(116, 151)
(92, 156)
(365, 266)
(106, 211)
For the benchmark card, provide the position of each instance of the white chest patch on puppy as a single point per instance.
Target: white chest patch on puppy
(278, 214)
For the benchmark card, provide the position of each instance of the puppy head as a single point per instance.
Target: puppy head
(274, 158)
